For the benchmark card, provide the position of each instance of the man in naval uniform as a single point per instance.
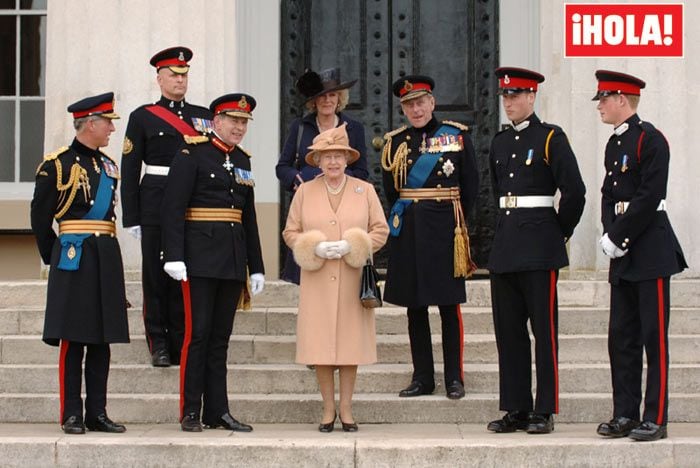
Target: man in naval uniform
(529, 161)
(153, 136)
(644, 252)
(86, 300)
(430, 177)
(211, 244)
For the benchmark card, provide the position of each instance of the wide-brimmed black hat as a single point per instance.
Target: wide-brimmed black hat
(313, 85)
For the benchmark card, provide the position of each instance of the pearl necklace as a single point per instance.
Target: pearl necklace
(338, 189)
(335, 123)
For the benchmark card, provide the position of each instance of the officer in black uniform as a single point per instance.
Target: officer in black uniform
(153, 136)
(644, 253)
(211, 241)
(430, 176)
(529, 162)
(86, 300)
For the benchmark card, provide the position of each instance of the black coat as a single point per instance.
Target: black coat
(289, 166)
(654, 250)
(421, 258)
(87, 305)
(150, 140)
(528, 239)
(220, 250)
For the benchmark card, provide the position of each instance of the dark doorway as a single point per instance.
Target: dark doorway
(378, 41)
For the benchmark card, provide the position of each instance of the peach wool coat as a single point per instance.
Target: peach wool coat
(332, 326)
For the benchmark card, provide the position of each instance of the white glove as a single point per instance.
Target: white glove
(327, 250)
(609, 247)
(135, 231)
(257, 283)
(342, 247)
(176, 270)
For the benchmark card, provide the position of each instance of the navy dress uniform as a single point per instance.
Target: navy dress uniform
(153, 135)
(209, 223)
(529, 161)
(430, 177)
(86, 300)
(635, 220)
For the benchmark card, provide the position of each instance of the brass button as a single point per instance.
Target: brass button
(619, 142)
(439, 185)
(409, 150)
(160, 133)
(441, 159)
(614, 183)
(510, 175)
(507, 212)
(410, 161)
(610, 173)
(517, 137)
(97, 234)
(513, 156)
(332, 278)
(510, 193)
(439, 173)
(408, 137)
(415, 200)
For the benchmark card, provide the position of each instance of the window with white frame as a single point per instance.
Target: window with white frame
(22, 91)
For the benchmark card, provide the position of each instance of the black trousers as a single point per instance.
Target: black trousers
(422, 346)
(516, 298)
(639, 315)
(163, 314)
(70, 374)
(208, 327)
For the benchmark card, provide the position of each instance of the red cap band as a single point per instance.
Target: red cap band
(615, 86)
(241, 106)
(517, 83)
(104, 108)
(412, 87)
(171, 62)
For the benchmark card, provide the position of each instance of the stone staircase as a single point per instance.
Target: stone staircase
(280, 398)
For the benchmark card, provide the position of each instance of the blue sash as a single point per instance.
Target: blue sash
(416, 179)
(72, 244)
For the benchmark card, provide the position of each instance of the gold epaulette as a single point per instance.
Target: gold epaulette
(396, 131)
(395, 163)
(51, 156)
(244, 151)
(195, 140)
(460, 126)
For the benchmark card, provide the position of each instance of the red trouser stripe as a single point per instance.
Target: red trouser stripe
(552, 331)
(461, 343)
(62, 376)
(185, 343)
(662, 351)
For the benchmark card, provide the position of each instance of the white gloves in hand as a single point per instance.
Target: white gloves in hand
(176, 270)
(257, 283)
(332, 250)
(135, 232)
(610, 249)
(342, 247)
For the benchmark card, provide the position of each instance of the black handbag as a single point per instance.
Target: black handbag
(370, 293)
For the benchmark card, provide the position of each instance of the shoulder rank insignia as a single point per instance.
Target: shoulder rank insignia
(460, 126)
(128, 146)
(244, 151)
(195, 140)
(185, 151)
(51, 156)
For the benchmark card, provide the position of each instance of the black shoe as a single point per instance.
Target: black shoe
(617, 427)
(229, 422)
(327, 427)
(511, 422)
(648, 431)
(349, 427)
(73, 425)
(160, 358)
(103, 424)
(416, 389)
(190, 423)
(540, 424)
(455, 390)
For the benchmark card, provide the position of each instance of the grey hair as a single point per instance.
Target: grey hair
(78, 124)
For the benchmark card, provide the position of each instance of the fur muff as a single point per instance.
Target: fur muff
(304, 248)
(360, 247)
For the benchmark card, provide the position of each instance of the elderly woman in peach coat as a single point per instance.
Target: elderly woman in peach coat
(335, 224)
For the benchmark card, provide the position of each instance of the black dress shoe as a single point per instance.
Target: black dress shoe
(416, 389)
(511, 422)
(327, 427)
(648, 431)
(455, 390)
(617, 427)
(349, 427)
(103, 424)
(540, 424)
(73, 425)
(160, 358)
(190, 423)
(229, 422)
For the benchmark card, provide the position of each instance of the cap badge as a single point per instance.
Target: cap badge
(407, 86)
(181, 57)
(242, 103)
(506, 79)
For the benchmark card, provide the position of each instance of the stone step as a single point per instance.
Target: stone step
(374, 408)
(374, 445)
(389, 320)
(391, 349)
(587, 293)
(293, 378)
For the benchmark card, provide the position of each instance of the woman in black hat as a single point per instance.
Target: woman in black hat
(326, 97)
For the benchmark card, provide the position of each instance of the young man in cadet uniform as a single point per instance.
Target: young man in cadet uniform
(529, 161)
(644, 252)
(153, 135)
(430, 176)
(86, 300)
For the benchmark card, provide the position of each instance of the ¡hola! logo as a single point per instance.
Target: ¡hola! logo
(624, 30)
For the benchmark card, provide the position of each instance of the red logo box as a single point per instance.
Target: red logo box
(623, 30)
